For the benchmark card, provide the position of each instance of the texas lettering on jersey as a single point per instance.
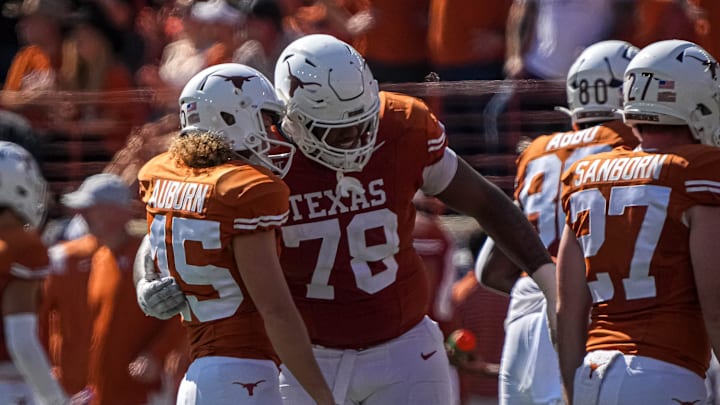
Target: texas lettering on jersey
(349, 261)
(627, 214)
(312, 205)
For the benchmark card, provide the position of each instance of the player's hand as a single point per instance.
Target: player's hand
(161, 298)
(471, 363)
(83, 397)
(144, 369)
(361, 22)
(514, 67)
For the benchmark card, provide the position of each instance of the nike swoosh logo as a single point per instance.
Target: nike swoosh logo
(427, 356)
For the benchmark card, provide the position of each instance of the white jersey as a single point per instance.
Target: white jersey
(562, 30)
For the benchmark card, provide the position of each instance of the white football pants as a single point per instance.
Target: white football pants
(217, 380)
(410, 369)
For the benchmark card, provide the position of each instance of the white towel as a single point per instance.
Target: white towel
(589, 376)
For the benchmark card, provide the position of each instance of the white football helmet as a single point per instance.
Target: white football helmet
(326, 84)
(22, 186)
(674, 82)
(229, 99)
(594, 81)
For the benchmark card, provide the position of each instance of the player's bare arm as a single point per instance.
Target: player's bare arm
(494, 270)
(272, 298)
(472, 194)
(572, 309)
(704, 248)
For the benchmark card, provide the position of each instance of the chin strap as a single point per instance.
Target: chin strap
(346, 184)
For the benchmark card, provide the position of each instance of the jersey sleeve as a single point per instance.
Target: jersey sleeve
(440, 160)
(434, 131)
(260, 204)
(702, 178)
(25, 257)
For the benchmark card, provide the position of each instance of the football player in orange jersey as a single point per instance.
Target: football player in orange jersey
(530, 373)
(348, 256)
(66, 322)
(639, 251)
(105, 311)
(214, 208)
(25, 375)
(362, 291)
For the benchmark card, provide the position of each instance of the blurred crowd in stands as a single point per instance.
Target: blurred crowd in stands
(91, 86)
(86, 74)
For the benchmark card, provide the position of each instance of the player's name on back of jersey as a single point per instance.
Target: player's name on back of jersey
(619, 168)
(178, 195)
(565, 139)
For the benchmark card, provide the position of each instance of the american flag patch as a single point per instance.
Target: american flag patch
(667, 96)
(666, 84)
(191, 106)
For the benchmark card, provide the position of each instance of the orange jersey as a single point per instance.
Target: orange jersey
(29, 65)
(539, 167)
(125, 112)
(398, 33)
(22, 256)
(708, 28)
(121, 331)
(65, 310)
(193, 216)
(460, 32)
(31, 69)
(626, 209)
(349, 261)
(320, 18)
(657, 20)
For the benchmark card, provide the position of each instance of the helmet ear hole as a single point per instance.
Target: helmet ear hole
(228, 118)
(704, 110)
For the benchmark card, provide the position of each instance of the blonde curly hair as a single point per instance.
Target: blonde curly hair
(201, 149)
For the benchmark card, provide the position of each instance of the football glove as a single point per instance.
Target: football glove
(160, 298)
